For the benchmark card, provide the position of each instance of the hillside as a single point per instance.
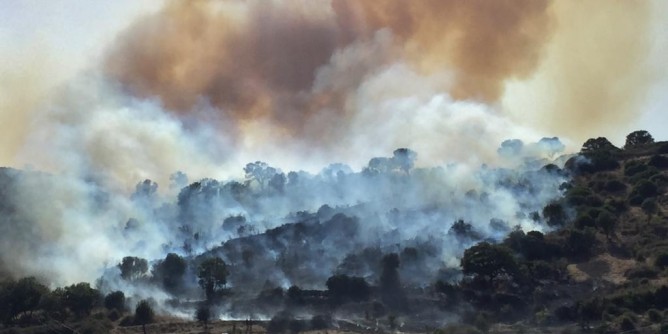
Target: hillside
(599, 261)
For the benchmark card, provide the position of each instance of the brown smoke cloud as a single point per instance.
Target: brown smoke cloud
(268, 59)
(595, 73)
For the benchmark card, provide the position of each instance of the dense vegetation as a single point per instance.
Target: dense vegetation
(602, 266)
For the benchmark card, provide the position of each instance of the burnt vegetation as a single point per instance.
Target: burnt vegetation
(600, 263)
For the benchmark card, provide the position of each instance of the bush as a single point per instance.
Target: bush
(661, 261)
(626, 323)
(614, 186)
(641, 191)
(641, 272)
(659, 162)
(654, 315)
(115, 301)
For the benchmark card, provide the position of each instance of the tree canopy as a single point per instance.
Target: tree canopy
(488, 260)
(638, 138)
(212, 276)
(133, 268)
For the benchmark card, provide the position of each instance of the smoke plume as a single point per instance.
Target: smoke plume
(294, 63)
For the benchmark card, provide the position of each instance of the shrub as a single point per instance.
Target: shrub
(654, 315)
(661, 260)
(626, 323)
(658, 161)
(641, 191)
(115, 301)
(614, 186)
(641, 272)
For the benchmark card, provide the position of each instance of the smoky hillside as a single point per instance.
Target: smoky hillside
(278, 228)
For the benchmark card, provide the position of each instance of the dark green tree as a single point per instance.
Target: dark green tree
(133, 268)
(19, 297)
(170, 272)
(606, 221)
(212, 274)
(554, 214)
(597, 144)
(80, 298)
(144, 314)
(638, 138)
(489, 261)
(115, 301)
(649, 207)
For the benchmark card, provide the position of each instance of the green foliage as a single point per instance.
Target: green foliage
(661, 260)
(600, 144)
(638, 138)
(658, 161)
(171, 271)
(579, 243)
(133, 268)
(649, 206)
(606, 221)
(554, 214)
(81, 298)
(641, 191)
(21, 296)
(614, 186)
(490, 261)
(115, 301)
(654, 315)
(626, 323)
(212, 274)
(144, 314)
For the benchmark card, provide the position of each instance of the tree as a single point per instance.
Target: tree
(510, 148)
(390, 285)
(212, 276)
(19, 297)
(489, 261)
(115, 301)
(171, 271)
(641, 191)
(597, 144)
(133, 268)
(606, 222)
(404, 159)
(650, 207)
(144, 314)
(203, 314)
(554, 214)
(638, 138)
(261, 172)
(81, 298)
